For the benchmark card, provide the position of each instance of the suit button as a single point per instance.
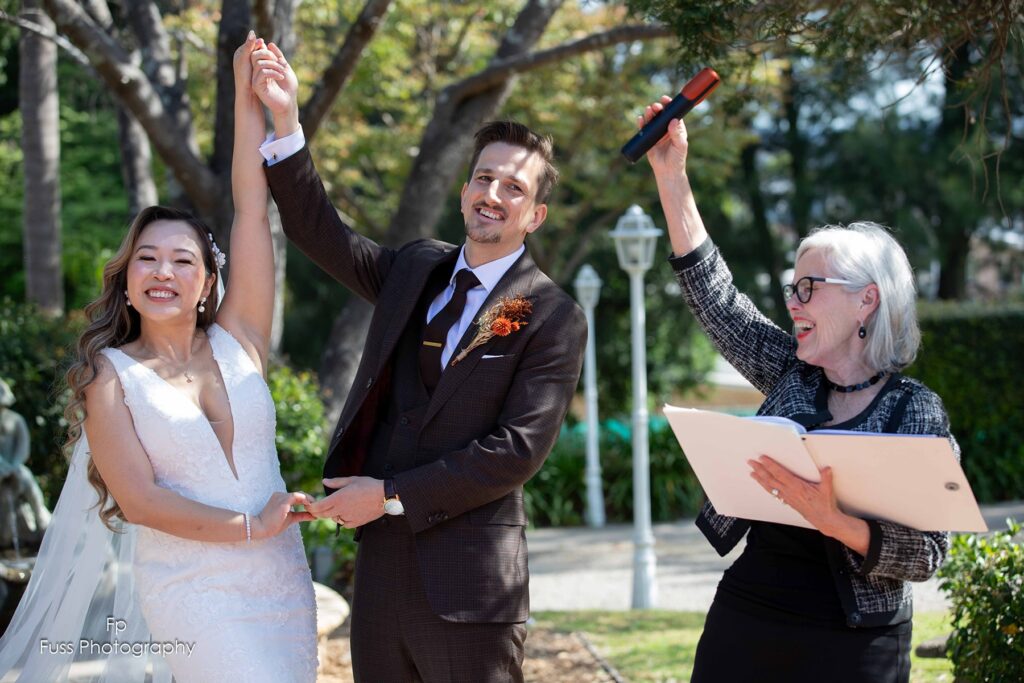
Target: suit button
(388, 467)
(404, 420)
(444, 515)
(855, 618)
(369, 383)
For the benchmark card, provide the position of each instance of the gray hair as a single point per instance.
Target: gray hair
(865, 253)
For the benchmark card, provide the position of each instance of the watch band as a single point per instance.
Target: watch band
(389, 489)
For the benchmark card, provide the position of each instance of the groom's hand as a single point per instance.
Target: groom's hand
(357, 501)
(275, 83)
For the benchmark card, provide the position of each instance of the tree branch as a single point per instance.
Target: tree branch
(59, 40)
(231, 32)
(342, 66)
(133, 89)
(501, 70)
(157, 61)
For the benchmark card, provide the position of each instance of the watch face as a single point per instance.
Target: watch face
(393, 506)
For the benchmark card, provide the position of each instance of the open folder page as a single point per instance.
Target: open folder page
(911, 480)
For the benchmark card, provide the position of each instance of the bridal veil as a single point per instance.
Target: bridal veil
(79, 620)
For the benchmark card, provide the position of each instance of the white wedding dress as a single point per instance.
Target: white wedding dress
(248, 608)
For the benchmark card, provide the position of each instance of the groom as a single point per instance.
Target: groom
(447, 418)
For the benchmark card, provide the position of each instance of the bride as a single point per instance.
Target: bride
(176, 473)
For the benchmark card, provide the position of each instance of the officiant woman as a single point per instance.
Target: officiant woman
(832, 603)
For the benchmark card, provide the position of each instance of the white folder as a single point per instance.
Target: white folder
(907, 479)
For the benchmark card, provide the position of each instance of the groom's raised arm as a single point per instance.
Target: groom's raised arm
(309, 218)
(312, 223)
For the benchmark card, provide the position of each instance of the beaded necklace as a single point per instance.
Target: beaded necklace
(849, 388)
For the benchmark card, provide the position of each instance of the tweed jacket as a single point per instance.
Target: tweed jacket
(873, 589)
(490, 423)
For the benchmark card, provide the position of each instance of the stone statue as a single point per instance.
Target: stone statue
(23, 514)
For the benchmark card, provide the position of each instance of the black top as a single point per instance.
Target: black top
(784, 570)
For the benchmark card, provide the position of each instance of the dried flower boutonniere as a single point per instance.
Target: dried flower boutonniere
(500, 320)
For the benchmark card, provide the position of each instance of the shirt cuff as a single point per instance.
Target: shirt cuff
(274, 150)
(681, 263)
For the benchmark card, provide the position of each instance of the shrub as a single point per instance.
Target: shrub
(556, 496)
(301, 427)
(301, 436)
(984, 579)
(971, 357)
(34, 353)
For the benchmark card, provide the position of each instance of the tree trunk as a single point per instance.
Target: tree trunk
(954, 237)
(771, 262)
(953, 271)
(280, 266)
(136, 162)
(797, 146)
(40, 144)
(444, 150)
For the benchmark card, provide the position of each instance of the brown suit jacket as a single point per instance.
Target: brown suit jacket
(490, 423)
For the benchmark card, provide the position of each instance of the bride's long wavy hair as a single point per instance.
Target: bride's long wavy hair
(112, 323)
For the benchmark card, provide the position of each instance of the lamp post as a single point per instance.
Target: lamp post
(588, 292)
(635, 237)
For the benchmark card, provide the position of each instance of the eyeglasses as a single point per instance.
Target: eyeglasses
(804, 287)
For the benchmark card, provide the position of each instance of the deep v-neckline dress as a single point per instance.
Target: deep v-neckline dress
(248, 607)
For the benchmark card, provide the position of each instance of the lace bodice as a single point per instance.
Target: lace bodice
(248, 606)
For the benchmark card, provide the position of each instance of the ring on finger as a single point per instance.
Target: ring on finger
(775, 492)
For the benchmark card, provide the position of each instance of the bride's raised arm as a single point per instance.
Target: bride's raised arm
(248, 306)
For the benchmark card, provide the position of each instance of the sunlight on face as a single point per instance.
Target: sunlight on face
(166, 274)
(498, 203)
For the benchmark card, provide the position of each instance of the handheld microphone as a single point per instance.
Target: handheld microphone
(692, 94)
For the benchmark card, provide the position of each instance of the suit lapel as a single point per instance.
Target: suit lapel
(518, 280)
(404, 307)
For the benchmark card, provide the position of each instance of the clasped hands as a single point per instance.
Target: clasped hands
(355, 502)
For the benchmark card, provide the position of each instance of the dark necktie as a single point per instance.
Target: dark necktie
(436, 333)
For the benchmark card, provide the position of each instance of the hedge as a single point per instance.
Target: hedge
(973, 357)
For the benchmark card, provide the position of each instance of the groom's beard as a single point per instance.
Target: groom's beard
(483, 235)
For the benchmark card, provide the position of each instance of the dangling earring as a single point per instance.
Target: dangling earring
(862, 332)
(202, 305)
(127, 301)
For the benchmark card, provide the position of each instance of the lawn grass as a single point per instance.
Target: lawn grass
(658, 645)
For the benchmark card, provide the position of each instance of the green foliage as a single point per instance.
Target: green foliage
(984, 579)
(301, 434)
(94, 206)
(556, 496)
(301, 427)
(970, 356)
(34, 353)
(710, 30)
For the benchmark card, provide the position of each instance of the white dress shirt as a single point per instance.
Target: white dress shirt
(274, 151)
(488, 274)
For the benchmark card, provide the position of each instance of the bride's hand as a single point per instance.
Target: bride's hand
(242, 64)
(277, 515)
